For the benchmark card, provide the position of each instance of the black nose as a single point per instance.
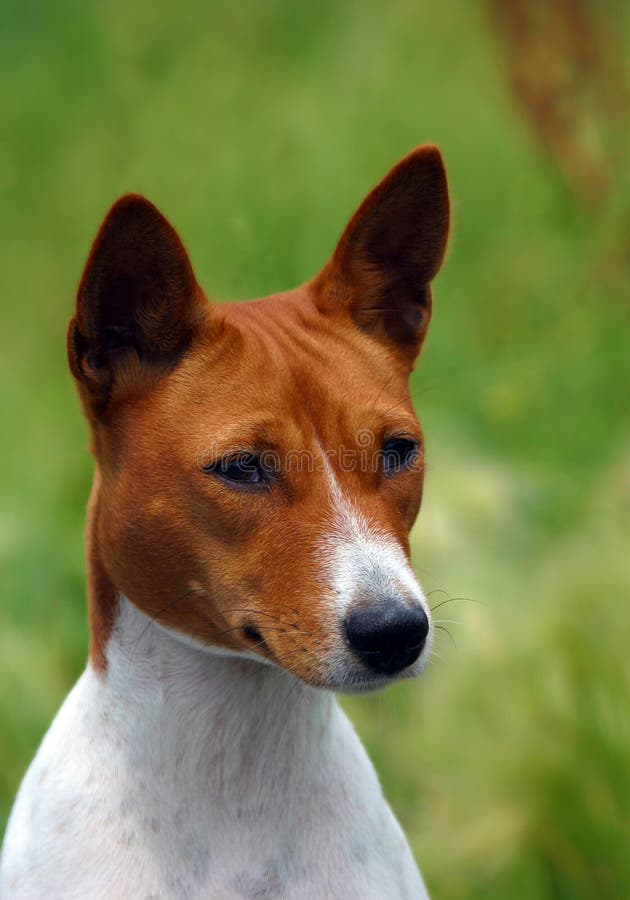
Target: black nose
(388, 637)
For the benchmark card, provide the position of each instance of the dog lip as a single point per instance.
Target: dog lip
(254, 636)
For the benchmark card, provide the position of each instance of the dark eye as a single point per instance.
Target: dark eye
(245, 470)
(398, 454)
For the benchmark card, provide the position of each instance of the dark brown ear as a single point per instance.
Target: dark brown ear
(391, 250)
(138, 302)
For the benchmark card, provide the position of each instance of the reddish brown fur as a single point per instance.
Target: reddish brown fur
(169, 383)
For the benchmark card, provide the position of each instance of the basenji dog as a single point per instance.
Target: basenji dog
(258, 468)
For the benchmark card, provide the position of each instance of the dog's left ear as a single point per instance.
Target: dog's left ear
(391, 250)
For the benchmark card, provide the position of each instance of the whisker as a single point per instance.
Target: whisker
(279, 628)
(288, 656)
(259, 612)
(398, 403)
(382, 391)
(455, 599)
(259, 643)
(442, 628)
(153, 619)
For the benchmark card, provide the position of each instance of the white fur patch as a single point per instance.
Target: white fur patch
(360, 558)
(181, 774)
(361, 564)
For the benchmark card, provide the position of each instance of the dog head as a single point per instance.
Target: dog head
(260, 464)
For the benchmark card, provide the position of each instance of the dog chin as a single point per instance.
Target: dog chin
(357, 681)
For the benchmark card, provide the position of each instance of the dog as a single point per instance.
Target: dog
(258, 467)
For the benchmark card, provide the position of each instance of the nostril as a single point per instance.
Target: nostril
(387, 637)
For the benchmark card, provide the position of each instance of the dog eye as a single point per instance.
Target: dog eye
(246, 470)
(398, 454)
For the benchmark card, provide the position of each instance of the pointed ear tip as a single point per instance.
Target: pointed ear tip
(428, 156)
(132, 203)
(429, 150)
(135, 217)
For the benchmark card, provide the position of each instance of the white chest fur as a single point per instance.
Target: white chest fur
(183, 774)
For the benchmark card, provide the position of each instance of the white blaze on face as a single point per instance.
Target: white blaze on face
(362, 563)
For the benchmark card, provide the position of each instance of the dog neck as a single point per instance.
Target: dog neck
(225, 726)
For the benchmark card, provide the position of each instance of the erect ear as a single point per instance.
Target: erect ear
(391, 250)
(138, 303)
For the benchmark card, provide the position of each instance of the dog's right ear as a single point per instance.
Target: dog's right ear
(138, 304)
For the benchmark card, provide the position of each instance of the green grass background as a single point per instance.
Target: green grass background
(257, 127)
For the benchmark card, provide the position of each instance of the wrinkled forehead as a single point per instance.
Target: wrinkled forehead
(280, 379)
(320, 375)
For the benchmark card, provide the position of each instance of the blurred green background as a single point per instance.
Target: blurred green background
(257, 128)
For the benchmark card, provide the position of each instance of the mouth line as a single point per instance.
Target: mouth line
(253, 636)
